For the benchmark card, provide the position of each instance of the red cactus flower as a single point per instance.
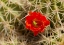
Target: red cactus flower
(36, 22)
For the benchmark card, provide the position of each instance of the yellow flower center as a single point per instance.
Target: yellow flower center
(35, 23)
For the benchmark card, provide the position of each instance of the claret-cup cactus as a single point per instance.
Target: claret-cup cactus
(31, 22)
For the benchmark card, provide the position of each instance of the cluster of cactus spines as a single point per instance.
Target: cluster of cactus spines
(12, 18)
